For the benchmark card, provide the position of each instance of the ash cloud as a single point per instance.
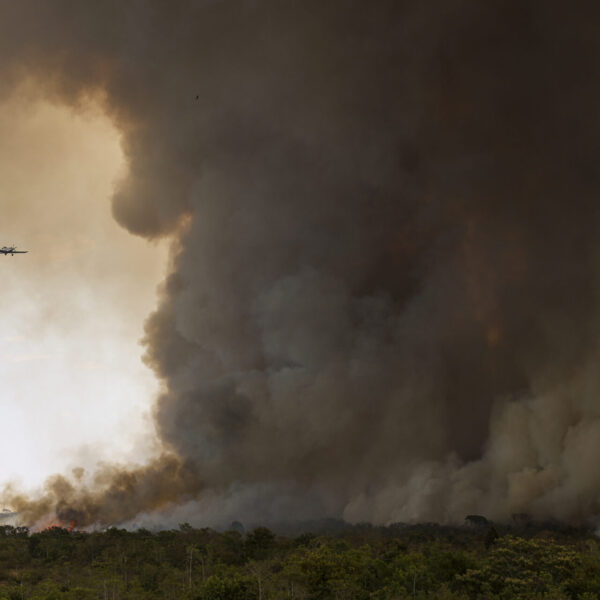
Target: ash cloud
(384, 286)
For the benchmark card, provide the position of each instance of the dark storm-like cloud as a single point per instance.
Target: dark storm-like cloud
(384, 285)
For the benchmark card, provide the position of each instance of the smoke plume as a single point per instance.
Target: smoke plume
(383, 296)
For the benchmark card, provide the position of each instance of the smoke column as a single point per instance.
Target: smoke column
(383, 297)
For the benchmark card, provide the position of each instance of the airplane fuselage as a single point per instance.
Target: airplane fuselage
(12, 250)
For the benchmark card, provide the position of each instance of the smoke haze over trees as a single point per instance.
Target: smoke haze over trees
(383, 296)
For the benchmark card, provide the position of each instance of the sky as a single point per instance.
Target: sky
(73, 388)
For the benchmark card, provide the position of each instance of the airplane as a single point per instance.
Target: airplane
(12, 250)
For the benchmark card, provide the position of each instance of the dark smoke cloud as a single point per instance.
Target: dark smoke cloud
(115, 494)
(383, 296)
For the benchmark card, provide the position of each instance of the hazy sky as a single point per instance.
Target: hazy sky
(73, 389)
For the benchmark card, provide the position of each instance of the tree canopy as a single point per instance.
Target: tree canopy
(358, 562)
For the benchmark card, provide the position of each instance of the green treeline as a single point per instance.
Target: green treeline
(351, 563)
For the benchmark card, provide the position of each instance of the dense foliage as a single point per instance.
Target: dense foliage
(347, 563)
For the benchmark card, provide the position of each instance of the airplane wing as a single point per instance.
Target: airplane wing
(19, 251)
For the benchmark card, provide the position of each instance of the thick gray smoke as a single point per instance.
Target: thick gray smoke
(383, 302)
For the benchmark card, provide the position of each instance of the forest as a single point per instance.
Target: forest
(337, 562)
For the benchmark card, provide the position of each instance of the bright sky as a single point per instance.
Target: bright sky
(73, 389)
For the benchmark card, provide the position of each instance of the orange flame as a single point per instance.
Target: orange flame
(58, 524)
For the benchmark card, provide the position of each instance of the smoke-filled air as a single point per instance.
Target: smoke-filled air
(382, 301)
